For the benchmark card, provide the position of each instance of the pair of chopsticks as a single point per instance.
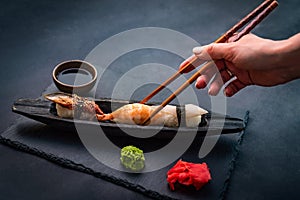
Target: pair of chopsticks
(257, 15)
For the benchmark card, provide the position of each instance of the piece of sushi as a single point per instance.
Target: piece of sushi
(193, 115)
(73, 106)
(137, 113)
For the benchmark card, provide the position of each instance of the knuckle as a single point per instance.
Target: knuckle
(210, 49)
(231, 53)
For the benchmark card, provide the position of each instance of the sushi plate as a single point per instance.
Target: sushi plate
(44, 111)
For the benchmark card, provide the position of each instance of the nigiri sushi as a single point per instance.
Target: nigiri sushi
(137, 113)
(134, 113)
(69, 106)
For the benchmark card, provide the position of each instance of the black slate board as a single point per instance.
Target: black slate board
(64, 147)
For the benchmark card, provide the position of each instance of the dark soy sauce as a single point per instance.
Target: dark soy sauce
(75, 76)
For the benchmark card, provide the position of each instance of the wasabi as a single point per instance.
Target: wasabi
(132, 158)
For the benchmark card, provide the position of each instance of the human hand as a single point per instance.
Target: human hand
(250, 61)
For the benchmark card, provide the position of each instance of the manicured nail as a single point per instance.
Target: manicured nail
(211, 92)
(197, 50)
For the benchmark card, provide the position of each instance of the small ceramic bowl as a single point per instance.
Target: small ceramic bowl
(74, 76)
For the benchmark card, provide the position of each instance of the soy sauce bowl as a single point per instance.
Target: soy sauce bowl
(74, 76)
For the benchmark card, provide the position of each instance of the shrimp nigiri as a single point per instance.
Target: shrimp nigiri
(137, 113)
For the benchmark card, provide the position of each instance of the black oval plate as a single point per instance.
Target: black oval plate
(44, 111)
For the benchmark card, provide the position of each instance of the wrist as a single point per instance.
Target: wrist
(286, 56)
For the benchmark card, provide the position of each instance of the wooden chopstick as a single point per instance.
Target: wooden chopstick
(193, 62)
(256, 21)
(259, 17)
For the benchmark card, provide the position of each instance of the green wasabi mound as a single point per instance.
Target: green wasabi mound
(132, 158)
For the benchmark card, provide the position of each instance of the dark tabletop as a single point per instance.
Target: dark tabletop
(36, 35)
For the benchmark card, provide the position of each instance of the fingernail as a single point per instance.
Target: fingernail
(211, 92)
(197, 50)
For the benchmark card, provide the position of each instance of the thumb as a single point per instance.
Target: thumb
(212, 51)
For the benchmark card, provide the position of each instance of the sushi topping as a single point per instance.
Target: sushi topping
(187, 173)
(132, 158)
(75, 102)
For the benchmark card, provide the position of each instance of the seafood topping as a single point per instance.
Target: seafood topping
(136, 113)
(70, 106)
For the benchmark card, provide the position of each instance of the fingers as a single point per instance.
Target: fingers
(216, 85)
(202, 81)
(218, 74)
(206, 75)
(202, 53)
(226, 74)
(190, 64)
(233, 87)
(214, 51)
(221, 74)
(219, 80)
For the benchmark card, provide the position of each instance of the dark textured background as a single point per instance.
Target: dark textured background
(36, 35)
